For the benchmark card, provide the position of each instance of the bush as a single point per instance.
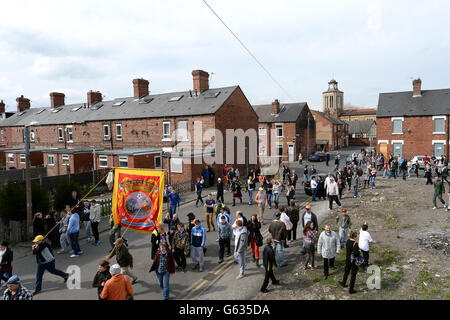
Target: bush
(13, 202)
(63, 193)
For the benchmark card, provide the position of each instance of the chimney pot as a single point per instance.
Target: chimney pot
(93, 97)
(2, 107)
(417, 87)
(22, 103)
(56, 99)
(140, 87)
(275, 107)
(201, 80)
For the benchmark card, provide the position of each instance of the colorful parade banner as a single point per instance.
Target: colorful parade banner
(138, 198)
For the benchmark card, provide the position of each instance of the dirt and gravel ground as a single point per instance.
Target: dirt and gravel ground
(412, 248)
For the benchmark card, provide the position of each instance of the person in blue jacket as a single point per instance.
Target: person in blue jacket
(73, 231)
(174, 202)
(198, 190)
(198, 240)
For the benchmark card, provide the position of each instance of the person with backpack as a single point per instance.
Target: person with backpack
(269, 262)
(255, 237)
(352, 250)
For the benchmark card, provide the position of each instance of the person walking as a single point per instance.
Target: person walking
(344, 222)
(261, 200)
(428, 174)
(276, 188)
(174, 202)
(64, 238)
(293, 212)
(307, 216)
(310, 236)
(6, 258)
(180, 247)
(220, 189)
(439, 189)
(101, 277)
(38, 224)
(290, 193)
(278, 232)
(328, 246)
(118, 287)
(15, 290)
(95, 217)
(268, 188)
(236, 190)
(198, 240)
(321, 193)
(333, 192)
(240, 247)
(124, 259)
(327, 158)
(340, 184)
(198, 191)
(364, 239)
(225, 234)
(172, 226)
(45, 261)
(255, 237)
(250, 189)
(209, 208)
(314, 186)
(373, 174)
(73, 230)
(164, 266)
(355, 183)
(269, 262)
(300, 159)
(351, 248)
(86, 212)
(218, 209)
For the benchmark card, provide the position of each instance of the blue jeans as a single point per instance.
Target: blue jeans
(372, 182)
(241, 261)
(50, 267)
(343, 232)
(74, 242)
(279, 249)
(172, 210)
(355, 188)
(314, 192)
(164, 283)
(269, 199)
(250, 196)
(275, 197)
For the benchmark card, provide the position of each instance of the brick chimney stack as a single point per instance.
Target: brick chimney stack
(93, 97)
(2, 107)
(56, 99)
(275, 107)
(140, 87)
(22, 104)
(417, 87)
(201, 80)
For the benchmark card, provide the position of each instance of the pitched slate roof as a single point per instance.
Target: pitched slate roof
(152, 106)
(330, 118)
(399, 104)
(355, 112)
(289, 112)
(360, 126)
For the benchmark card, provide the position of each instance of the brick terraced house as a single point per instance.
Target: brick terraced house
(414, 122)
(331, 133)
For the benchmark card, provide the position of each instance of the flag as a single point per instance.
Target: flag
(138, 198)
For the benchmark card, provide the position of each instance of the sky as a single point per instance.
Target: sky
(367, 46)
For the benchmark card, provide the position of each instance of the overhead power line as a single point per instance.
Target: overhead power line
(249, 52)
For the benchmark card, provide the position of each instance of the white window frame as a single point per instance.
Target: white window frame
(60, 134)
(262, 131)
(123, 159)
(160, 162)
(166, 136)
(108, 136)
(438, 141)
(435, 118)
(32, 135)
(69, 130)
(22, 157)
(393, 125)
(182, 135)
(51, 156)
(63, 158)
(11, 157)
(277, 148)
(118, 136)
(279, 126)
(176, 165)
(383, 141)
(102, 158)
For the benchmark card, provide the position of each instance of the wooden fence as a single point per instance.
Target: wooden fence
(106, 207)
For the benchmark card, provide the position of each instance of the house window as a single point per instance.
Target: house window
(279, 130)
(158, 162)
(176, 165)
(397, 149)
(182, 133)
(261, 131)
(51, 160)
(123, 162)
(166, 130)
(439, 124)
(106, 135)
(397, 126)
(65, 159)
(69, 134)
(118, 131)
(438, 149)
(3, 134)
(103, 161)
(279, 150)
(11, 157)
(22, 158)
(32, 135)
(60, 135)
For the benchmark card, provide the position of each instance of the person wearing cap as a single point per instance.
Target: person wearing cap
(198, 190)
(6, 258)
(124, 259)
(164, 266)
(198, 240)
(278, 231)
(344, 222)
(180, 246)
(118, 287)
(308, 215)
(45, 261)
(220, 187)
(261, 200)
(16, 291)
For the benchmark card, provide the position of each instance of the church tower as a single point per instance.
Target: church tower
(333, 99)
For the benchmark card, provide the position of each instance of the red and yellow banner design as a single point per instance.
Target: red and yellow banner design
(138, 198)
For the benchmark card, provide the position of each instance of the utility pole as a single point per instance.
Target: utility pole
(28, 181)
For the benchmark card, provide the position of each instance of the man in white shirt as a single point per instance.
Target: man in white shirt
(313, 188)
(333, 192)
(364, 240)
(327, 181)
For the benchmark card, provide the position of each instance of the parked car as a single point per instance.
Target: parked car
(417, 158)
(317, 157)
(307, 185)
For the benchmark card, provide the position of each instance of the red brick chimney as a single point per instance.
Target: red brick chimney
(93, 97)
(56, 99)
(417, 85)
(201, 81)
(22, 104)
(2, 107)
(140, 87)
(275, 107)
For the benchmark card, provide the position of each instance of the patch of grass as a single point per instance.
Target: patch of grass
(386, 255)
(391, 221)
(427, 286)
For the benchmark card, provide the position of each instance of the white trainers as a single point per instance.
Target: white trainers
(74, 255)
(434, 208)
(240, 276)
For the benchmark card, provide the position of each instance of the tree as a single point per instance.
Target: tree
(63, 193)
(40, 198)
(13, 202)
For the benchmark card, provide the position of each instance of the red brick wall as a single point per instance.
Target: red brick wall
(83, 162)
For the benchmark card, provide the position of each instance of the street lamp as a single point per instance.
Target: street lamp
(28, 177)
